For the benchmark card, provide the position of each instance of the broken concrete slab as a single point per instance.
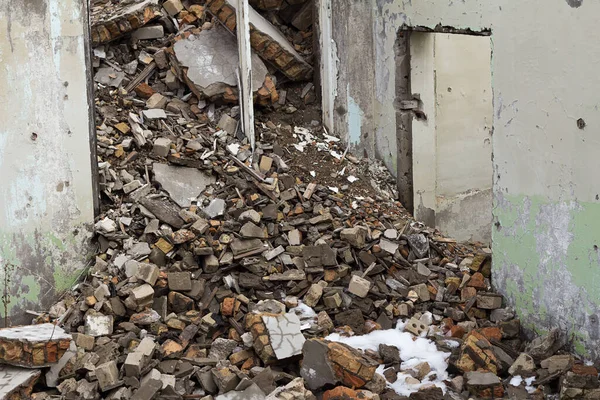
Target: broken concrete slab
(265, 39)
(212, 59)
(285, 334)
(183, 184)
(33, 346)
(17, 383)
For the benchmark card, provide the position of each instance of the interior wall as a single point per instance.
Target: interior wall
(46, 152)
(546, 198)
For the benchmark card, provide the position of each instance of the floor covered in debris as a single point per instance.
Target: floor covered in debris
(290, 274)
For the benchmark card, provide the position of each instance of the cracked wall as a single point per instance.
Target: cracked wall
(47, 202)
(546, 198)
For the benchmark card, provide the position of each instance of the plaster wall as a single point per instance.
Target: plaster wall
(46, 201)
(546, 196)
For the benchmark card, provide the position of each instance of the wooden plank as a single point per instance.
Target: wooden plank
(245, 74)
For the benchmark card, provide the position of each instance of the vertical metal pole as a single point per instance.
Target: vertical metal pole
(245, 55)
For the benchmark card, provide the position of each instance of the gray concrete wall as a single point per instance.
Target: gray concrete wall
(46, 202)
(546, 198)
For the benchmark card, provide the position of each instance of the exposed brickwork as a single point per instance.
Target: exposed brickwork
(104, 30)
(262, 343)
(350, 366)
(25, 353)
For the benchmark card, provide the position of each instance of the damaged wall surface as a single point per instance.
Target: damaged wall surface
(47, 202)
(545, 241)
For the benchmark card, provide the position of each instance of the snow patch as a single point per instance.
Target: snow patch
(413, 351)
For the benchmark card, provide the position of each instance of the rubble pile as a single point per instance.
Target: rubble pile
(285, 274)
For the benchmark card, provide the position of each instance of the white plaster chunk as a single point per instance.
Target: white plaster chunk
(182, 184)
(285, 334)
(97, 324)
(212, 59)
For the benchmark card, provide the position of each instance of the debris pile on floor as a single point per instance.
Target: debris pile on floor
(290, 273)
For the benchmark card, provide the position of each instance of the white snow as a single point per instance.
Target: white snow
(307, 315)
(517, 380)
(413, 351)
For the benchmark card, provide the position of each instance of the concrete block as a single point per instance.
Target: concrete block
(161, 147)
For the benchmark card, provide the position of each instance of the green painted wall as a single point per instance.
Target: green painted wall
(547, 262)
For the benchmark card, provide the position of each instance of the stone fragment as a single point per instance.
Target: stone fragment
(84, 341)
(147, 273)
(108, 375)
(484, 385)
(313, 295)
(419, 244)
(557, 363)
(250, 230)
(148, 32)
(545, 346)
(183, 184)
(161, 147)
(225, 378)
(295, 237)
(179, 281)
(133, 364)
(359, 286)
(294, 390)
(173, 7)
(164, 210)
(228, 124)
(215, 209)
(157, 100)
(489, 301)
(221, 348)
(250, 215)
(356, 236)
(523, 365)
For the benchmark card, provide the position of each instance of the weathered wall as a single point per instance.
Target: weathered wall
(546, 197)
(452, 145)
(46, 202)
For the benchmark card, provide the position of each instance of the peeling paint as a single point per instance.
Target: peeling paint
(547, 263)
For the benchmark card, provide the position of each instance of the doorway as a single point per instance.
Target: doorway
(445, 116)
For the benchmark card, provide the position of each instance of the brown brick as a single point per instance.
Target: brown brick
(231, 22)
(113, 28)
(144, 90)
(227, 306)
(104, 34)
(215, 5)
(271, 51)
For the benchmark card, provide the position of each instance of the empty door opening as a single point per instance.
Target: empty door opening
(444, 126)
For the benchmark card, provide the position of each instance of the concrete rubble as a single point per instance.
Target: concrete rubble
(224, 275)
